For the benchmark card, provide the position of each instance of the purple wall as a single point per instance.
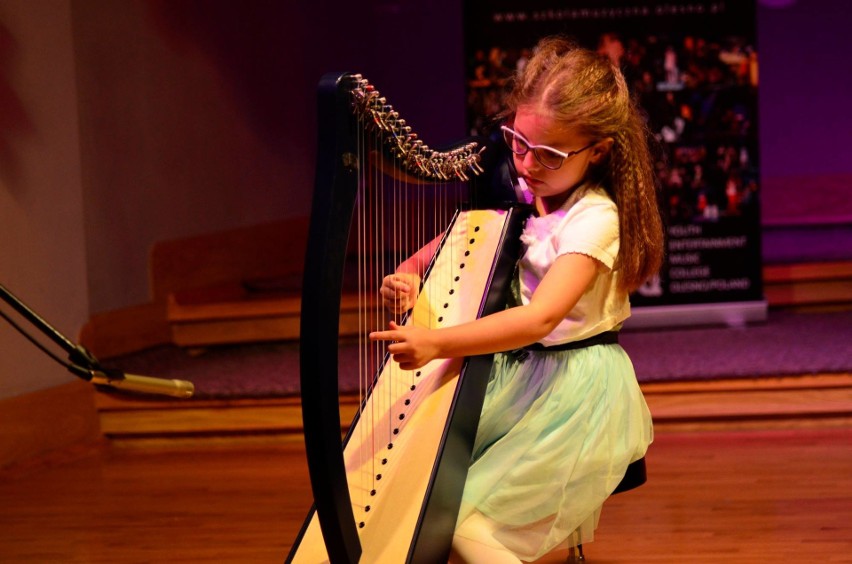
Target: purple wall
(805, 87)
(270, 56)
(413, 52)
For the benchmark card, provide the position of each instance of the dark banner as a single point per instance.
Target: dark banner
(693, 67)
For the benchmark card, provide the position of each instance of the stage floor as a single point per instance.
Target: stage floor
(736, 496)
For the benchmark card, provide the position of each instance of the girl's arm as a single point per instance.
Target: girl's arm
(399, 290)
(417, 263)
(559, 291)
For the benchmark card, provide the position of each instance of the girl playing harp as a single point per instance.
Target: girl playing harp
(563, 414)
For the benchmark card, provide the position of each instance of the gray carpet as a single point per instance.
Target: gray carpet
(786, 344)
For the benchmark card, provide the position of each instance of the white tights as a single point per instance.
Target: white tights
(474, 543)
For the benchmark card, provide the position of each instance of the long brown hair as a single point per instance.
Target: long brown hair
(586, 91)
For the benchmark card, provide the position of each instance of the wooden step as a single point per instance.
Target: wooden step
(768, 402)
(231, 314)
(822, 283)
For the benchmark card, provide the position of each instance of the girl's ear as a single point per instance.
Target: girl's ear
(601, 150)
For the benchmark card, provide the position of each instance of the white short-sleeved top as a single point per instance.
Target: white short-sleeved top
(588, 224)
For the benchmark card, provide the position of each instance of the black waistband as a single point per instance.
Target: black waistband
(607, 338)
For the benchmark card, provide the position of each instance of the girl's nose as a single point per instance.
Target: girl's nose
(527, 161)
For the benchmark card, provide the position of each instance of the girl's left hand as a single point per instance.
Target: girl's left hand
(412, 347)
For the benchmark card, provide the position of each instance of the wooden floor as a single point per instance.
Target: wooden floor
(713, 496)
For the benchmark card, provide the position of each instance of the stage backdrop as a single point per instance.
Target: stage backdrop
(693, 67)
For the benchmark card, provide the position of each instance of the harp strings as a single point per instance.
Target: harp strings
(407, 195)
(400, 217)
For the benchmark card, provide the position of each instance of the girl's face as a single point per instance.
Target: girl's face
(552, 187)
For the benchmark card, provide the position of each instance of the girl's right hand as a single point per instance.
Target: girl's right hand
(411, 347)
(399, 291)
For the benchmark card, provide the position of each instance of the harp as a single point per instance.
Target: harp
(391, 489)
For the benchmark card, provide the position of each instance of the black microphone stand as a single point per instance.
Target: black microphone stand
(83, 364)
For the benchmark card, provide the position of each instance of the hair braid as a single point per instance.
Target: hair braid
(634, 190)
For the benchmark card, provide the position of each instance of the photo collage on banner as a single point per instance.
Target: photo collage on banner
(693, 67)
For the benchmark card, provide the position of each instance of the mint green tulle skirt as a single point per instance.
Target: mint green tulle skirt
(556, 434)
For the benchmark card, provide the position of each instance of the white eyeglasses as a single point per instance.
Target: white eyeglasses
(549, 157)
